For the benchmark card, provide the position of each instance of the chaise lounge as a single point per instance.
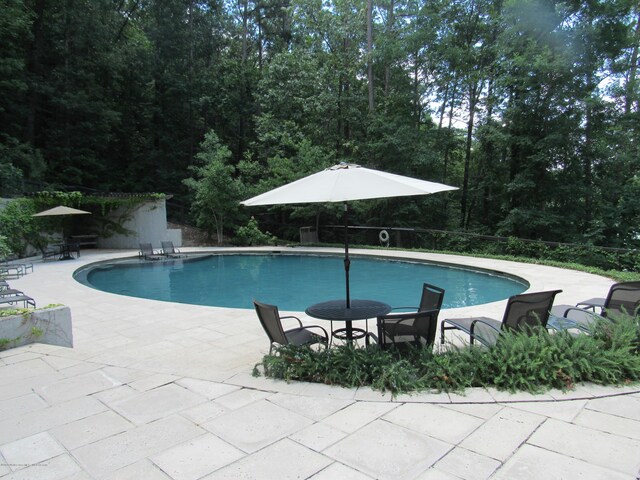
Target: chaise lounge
(523, 313)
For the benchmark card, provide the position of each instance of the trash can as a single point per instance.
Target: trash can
(308, 235)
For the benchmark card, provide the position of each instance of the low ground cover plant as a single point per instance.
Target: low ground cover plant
(536, 362)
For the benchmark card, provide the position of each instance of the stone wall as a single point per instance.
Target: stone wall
(49, 325)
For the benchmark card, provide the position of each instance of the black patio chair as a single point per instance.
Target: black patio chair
(168, 250)
(417, 327)
(524, 312)
(431, 299)
(623, 298)
(400, 330)
(148, 253)
(11, 297)
(271, 321)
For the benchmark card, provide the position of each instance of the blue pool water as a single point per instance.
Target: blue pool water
(293, 282)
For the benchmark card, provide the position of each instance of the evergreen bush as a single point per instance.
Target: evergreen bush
(533, 362)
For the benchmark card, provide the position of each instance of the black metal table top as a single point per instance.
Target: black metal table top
(337, 310)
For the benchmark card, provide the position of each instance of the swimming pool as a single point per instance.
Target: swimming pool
(293, 282)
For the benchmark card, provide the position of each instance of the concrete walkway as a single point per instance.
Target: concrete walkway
(154, 390)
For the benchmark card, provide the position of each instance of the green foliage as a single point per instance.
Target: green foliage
(216, 192)
(36, 332)
(252, 235)
(18, 227)
(518, 362)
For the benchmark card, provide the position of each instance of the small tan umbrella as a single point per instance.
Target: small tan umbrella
(60, 210)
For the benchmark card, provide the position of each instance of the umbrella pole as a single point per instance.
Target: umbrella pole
(347, 262)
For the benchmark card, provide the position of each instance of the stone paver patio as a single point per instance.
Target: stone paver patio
(155, 390)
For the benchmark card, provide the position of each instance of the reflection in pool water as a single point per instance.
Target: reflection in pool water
(293, 282)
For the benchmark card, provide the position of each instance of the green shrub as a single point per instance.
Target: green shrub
(251, 235)
(518, 362)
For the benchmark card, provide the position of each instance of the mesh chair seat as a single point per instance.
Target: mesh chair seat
(523, 313)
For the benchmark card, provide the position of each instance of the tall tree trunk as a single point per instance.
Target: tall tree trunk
(190, 85)
(447, 147)
(473, 98)
(370, 53)
(630, 88)
(390, 23)
(34, 68)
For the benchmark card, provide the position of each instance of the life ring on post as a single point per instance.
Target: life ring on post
(383, 236)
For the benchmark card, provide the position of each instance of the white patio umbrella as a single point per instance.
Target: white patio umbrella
(343, 183)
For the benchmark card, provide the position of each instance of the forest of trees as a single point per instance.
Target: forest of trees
(530, 107)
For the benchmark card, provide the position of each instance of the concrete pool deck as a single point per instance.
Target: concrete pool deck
(157, 390)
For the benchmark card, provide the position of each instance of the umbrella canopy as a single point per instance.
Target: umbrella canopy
(343, 183)
(60, 210)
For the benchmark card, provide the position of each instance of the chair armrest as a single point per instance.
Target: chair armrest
(480, 320)
(368, 337)
(582, 318)
(326, 335)
(291, 316)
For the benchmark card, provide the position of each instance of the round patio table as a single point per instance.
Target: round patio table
(336, 310)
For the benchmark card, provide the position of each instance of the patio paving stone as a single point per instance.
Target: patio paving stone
(91, 429)
(315, 408)
(207, 389)
(468, 465)
(141, 470)
(435, 474)
(318, 436)
(386, 451)
(622, 406)
(153, 404)
(240, 398)
(503, 433)
(480, 410)
(31, 450)
(257, 425)
(284, 460)
(28, 424)
(77, 386)
(624, 427)
(24, 370)
(152, 381)
(20, 405)
(565, 411)
(434, 421)
(357, 415)
(62, 467)
(589, 445)
(197, 457)
(113, 453)
(339, 471)
(204, 412)
(534, 463)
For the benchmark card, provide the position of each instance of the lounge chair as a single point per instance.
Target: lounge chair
(272, 323)
(13, 271)
(523, 313)
(148, 253)
(623, 298)
(168, 250)
(417, 327)
(11, 297)
(25, 267)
